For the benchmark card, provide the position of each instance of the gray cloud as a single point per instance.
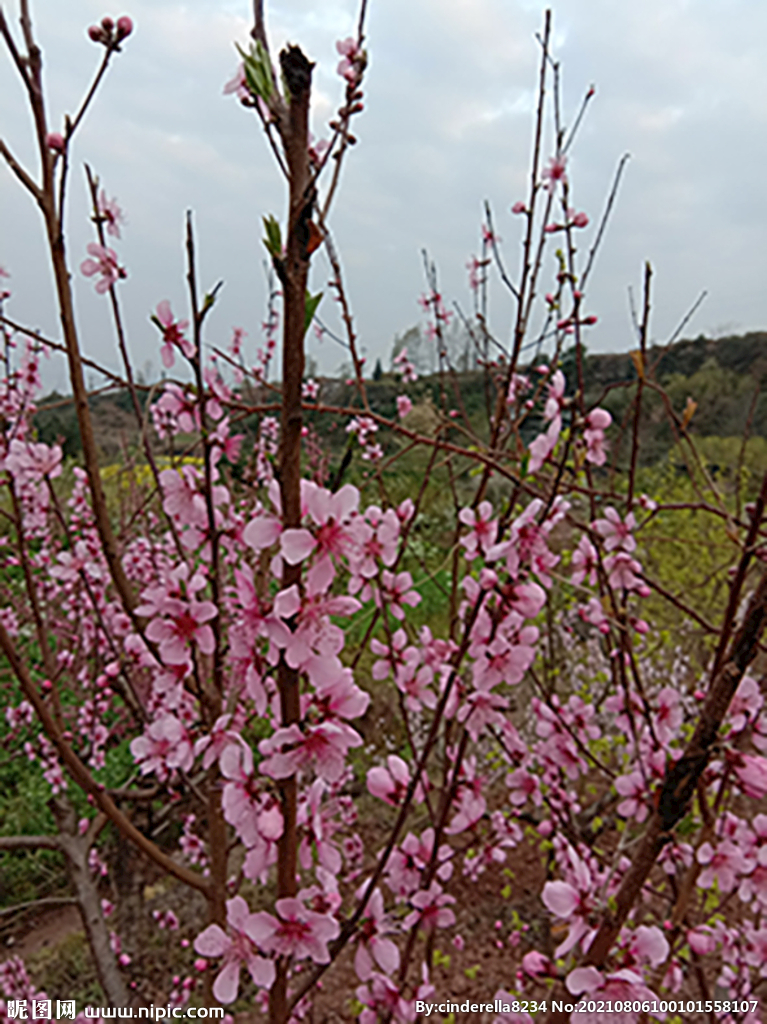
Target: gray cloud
(681, 85)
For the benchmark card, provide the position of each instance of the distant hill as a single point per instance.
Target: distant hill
(742, 354)
(726, 377)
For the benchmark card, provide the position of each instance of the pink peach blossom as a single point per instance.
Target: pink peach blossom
(237, 948)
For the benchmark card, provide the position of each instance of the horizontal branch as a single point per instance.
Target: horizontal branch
(46, 901)
(29, 843)
(58, 347)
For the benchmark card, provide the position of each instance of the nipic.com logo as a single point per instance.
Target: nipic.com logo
(42, 1009)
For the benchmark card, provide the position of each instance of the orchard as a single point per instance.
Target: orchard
(318, 666)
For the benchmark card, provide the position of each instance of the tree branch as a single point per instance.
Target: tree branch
(682, 777)
(85, 780)
(29, 843)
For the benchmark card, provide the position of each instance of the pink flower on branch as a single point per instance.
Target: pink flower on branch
(483, 529)
(402, 364)
(111, 214)
(322, 748)
(543, 445)
(397, 591)
(430, 909)
(404, 406)
(184, 623)
(751, 772)
(555, 171)
(238, 85)
(172, 334)
(721, 864)
(297, 932)
(624, 986)
(164, 746)
(310, 389)
(409, 860)
(583, 564)
(597, 421)
(373, 948)
(617, 532)
(390, 783)
(238, 949)
(745, 705)
(572, 901)
(103, 262)
(633, 789)
(621, 573)
(331, 538)
(352, 60)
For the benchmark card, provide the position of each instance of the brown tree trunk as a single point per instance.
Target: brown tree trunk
(75, 849)
(293, 270)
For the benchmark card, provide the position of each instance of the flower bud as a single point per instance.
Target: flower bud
(55, 141)
(96, 33)
(124, 26)
(107, 24)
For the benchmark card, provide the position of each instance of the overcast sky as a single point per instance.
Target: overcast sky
(681, 85)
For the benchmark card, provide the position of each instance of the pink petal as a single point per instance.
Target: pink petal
(379, 784)
(599, 419)
(296, 545)
(287, 602)
(271, 824)
(346, 501)
(363, 963)
(261, 971)
(651, 944)
(260, 928)
(227, 983)
(212, 942)
(584, 979)
(560, 898)
(320, 576)
(237, 913)
(386, 954)
(262, 532)
(164, 314)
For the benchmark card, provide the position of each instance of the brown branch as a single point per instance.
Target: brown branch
(20, 173)
(682, 777)
(85, 780)
(41, 904)
(29, 843)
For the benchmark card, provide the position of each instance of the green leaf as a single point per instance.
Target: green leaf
(312, 301)
(258, 70)
(441, 959)
(273, 240)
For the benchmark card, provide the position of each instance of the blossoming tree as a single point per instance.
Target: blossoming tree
(204, 628)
